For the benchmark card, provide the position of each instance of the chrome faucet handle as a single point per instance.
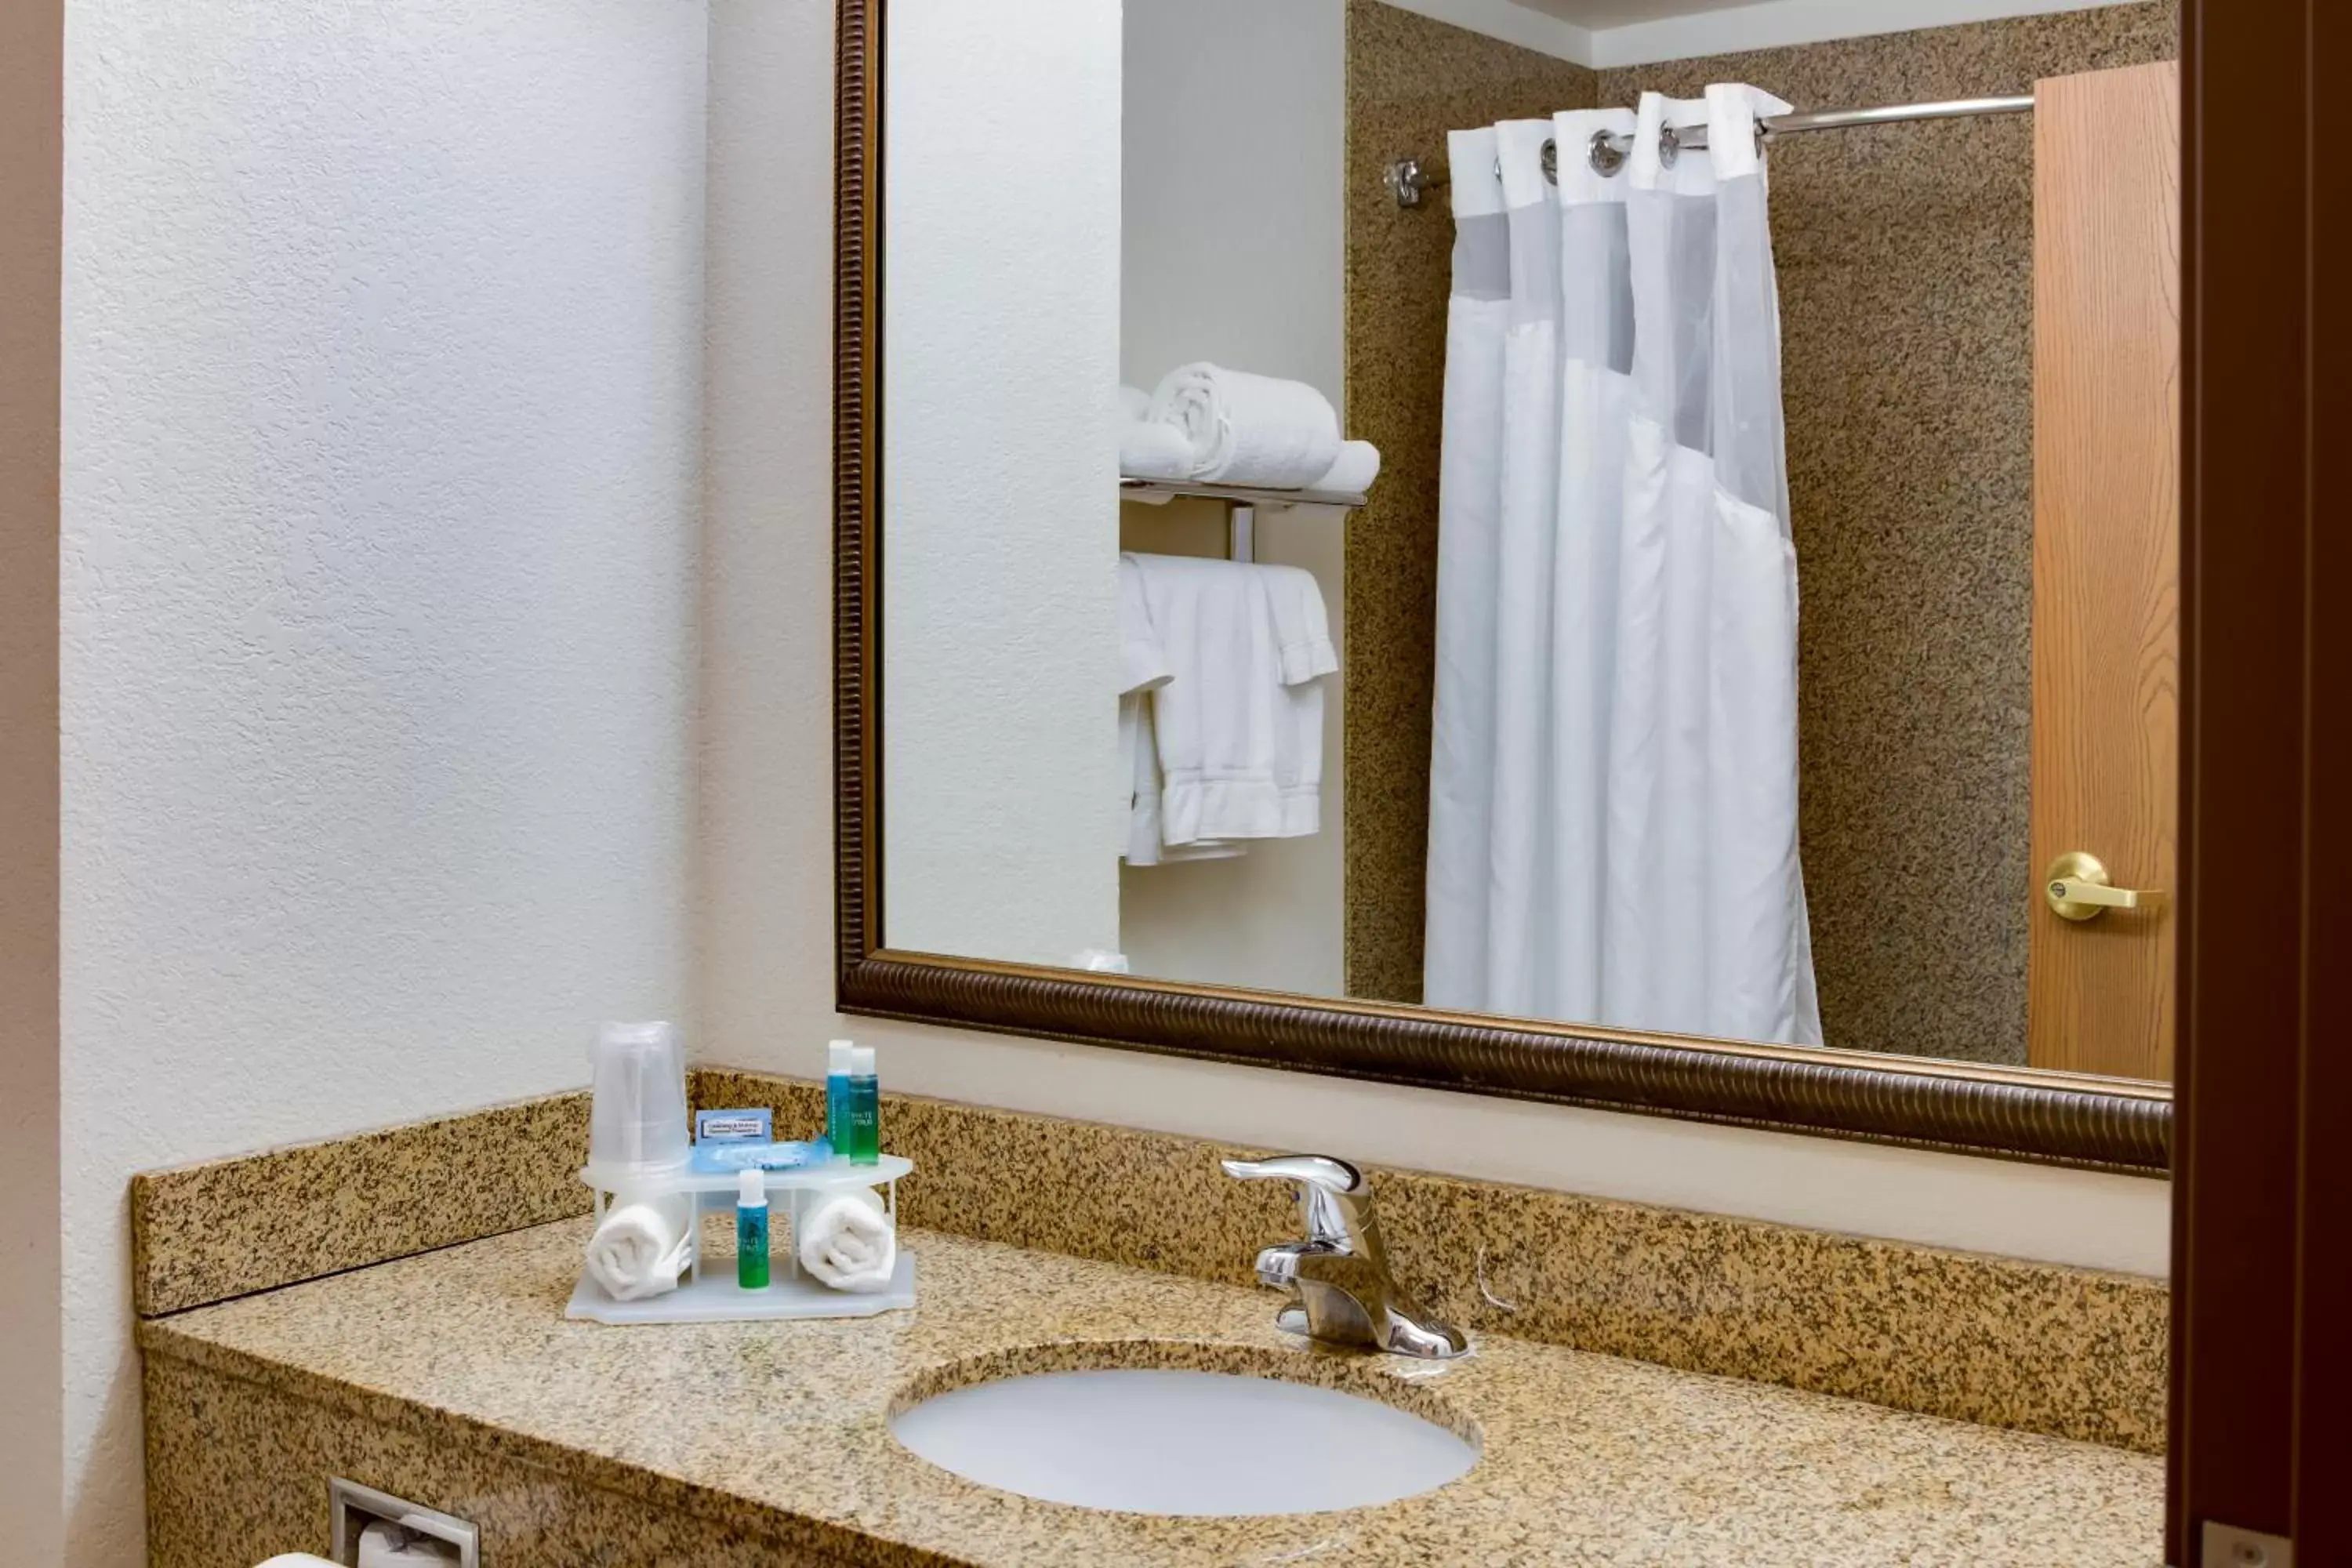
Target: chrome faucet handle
(1341, 1287)
(1308, 1170)
(1335, 1202)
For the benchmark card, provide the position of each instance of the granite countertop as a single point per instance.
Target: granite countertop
(781, 1427)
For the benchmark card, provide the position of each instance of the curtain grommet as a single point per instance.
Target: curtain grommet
(1606, 157)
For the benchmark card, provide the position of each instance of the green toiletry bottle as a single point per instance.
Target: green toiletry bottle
(865, 1109)
(836, 1097)
(751, 1231)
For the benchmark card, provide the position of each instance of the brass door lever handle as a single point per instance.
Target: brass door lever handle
(2077, 888)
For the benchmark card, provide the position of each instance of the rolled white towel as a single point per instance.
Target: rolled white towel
(1246, 429)
(847, 1243)
(1134, 403)
(1358, 466)
(1153, 451)
(637, 1251)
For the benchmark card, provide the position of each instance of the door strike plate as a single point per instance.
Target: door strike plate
(2228, 1546)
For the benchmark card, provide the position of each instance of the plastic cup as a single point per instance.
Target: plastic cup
(637, 1118)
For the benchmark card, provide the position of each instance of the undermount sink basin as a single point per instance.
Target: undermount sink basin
(1182, 1442)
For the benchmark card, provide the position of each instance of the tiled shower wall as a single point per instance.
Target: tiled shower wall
(1906, 259)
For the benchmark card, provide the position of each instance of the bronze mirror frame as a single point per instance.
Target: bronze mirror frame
(1958, 1106)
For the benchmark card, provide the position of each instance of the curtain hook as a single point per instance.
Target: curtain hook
(1670, 146)
(1605, 156)
(1551, 161)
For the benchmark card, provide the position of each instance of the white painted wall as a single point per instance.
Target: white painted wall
(1233, 239)
(766, 909)
(1233, 249)
(382, 379)
(1530, 26)
(1000, 776)
(1617, 12)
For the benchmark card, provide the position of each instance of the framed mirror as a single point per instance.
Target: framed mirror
(1612, 560)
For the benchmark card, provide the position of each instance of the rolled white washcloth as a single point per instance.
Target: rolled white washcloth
(1247, 429)
(1148, 451)
(1134, 401)
(637, 1251)
(847, 1242)
(1358, 466)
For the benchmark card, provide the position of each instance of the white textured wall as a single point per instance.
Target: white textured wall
(767, 909)
(381, 363)
(1239, 109)
(1001, 365)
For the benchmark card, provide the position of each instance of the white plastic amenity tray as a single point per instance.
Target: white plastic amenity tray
(712, 1295)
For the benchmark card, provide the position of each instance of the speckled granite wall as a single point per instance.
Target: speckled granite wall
(1906, 268)
(2068, 1352)
(1410, 80)
(206, 1232)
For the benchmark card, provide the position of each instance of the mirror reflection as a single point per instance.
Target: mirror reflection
(1686, 546)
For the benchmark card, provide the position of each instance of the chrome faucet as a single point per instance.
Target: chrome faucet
(1341, 1292)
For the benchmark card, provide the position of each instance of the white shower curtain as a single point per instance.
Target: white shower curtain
(1613, 833)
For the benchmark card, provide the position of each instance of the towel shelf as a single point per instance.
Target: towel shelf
(1242, 502)
(1133, 489)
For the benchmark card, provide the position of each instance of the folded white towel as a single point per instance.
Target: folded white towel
(1302, 628)
(1145, 844)
(1302, 632)
(847, 1243)
(1153, 451)
(1134, 401)
(639, 1250)
(1143, 668)
(1143, 664)
(1238, 730)
(1359, 464)
(1246, 429)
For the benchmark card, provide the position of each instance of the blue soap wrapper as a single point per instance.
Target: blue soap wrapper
(719, 1158)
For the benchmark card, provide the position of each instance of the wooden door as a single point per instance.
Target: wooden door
(2106, 560)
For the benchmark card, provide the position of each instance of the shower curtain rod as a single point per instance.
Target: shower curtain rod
(1408, 178)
